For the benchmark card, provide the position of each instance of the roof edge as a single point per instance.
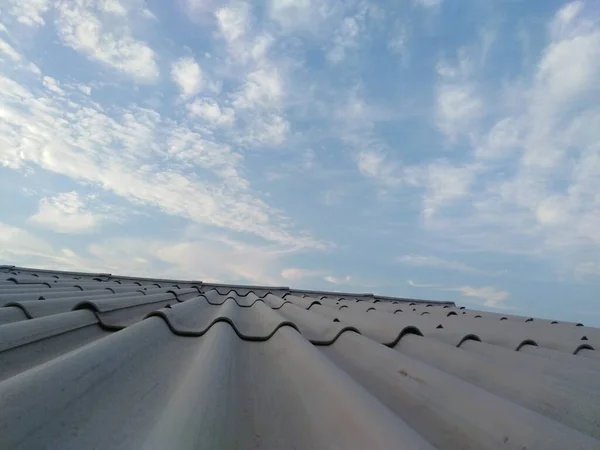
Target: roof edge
(231, 286)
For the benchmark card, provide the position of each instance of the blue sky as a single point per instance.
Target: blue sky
(427, 148)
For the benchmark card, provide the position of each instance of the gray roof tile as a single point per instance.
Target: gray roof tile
(196, 316)
(302, 302)
(41, 308)
(27, 331)
(11, 314)
(528, 386)
(102, 361)
(317, 329)
(453, 413)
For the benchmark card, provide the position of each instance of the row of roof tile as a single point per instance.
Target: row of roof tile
(195, 366)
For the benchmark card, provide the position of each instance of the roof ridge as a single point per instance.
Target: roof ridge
(231, 287)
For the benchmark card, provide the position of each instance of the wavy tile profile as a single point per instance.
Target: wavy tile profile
(101, 361)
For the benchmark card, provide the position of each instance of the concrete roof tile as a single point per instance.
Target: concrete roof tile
(152, 363)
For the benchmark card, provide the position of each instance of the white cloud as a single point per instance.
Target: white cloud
(210, 111)
(67, 213)
(20, 247)
(209, 258)
(187, 75)
(233, 21)
(112, 7)
(267, 130)
(76, 138)
(8, 52)
(488, 37)
(197, 8)
(332, 197)
(16, 242)
(551, 211)
(374, 164)
(398, 42)
(294, 15)
(247, 51)
(295, 274)
(259, 104)
(52, 85)
(263, 88)
(502, 141)
(492, 297)
(345, 39)
(428, 3)
(370, 163)
(439, 263)
(107, 41)
(487, 295)
(458, 106)
(588, 268)
(531, 186)
(191, 147)
(314, 19)
(445, 184)
(29, 12)
(564, 19)
(569, 66)
(6, 49)
(147, 14)
(85, 89)
(338, 280)
(419, 285)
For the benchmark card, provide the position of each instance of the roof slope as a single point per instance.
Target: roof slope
(98, 361)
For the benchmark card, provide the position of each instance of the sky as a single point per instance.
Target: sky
(437, 149)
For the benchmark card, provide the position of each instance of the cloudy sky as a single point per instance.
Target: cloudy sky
(427, 148)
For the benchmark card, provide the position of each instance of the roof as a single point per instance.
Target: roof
(100, 361)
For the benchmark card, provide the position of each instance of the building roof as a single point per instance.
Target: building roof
(109, 362)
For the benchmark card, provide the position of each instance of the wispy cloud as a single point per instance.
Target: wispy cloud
(443, 264)
(459, 105)
(7, 51)
(50, 132)
(428, 3)
(68, 213)
(491, 297)
(211, 258)
(507, 190)
(488, 296)
(52, 85)
(374, 164)
(421, 285)
(211, 113)
(18, 243)
(333, 197)
(338, 280)
(187, 75)
(295, 274)
(444, 184)
(107, 40)
(346, 39)
(29, 12)
(398, 42)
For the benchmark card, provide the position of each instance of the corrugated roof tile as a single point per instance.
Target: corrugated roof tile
(102, 361)
(454, 414)
(11, 314)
